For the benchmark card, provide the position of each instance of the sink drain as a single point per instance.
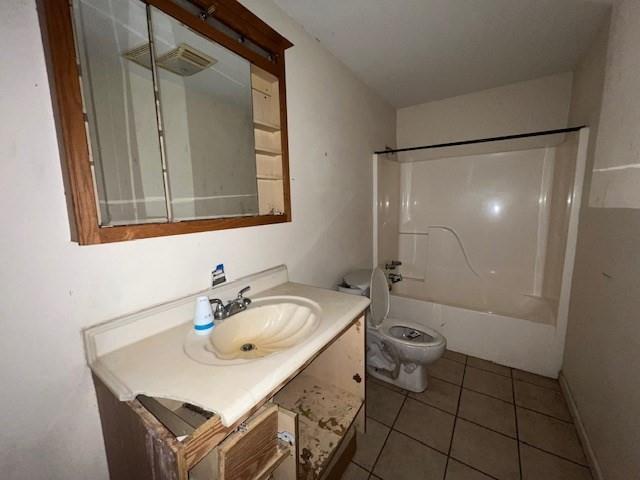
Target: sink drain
(247, 347)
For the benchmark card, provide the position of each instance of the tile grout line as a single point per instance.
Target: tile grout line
(475, 469)
(488, 428)
(444, 380)
(568, 422)
(406, 395)
(443, 453)
(455, 418)
(554, 454)
(466, 362)
(387, 386)
(490, 371)
(433, 375)
(536, 385)
(421, 442)
(489, 395)
(515, 406)
(391, 429)
(515, 414)
(501, 399)
(361, 466)
(422, 402)
(452, 360)
(506, 376)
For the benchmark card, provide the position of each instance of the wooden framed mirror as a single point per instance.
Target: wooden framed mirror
(171, 116)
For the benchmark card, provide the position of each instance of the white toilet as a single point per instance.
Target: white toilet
(398, 351)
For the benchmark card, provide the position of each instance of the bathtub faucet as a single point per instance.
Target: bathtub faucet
(395, 277)
(392, 265)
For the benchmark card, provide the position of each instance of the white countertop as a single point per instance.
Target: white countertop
(143, 353)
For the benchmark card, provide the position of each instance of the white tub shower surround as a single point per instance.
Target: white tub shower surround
(487, 242)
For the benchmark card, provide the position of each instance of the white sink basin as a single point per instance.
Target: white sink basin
(268, 326)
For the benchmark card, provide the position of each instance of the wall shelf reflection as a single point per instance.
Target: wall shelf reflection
(265, 126)
(268, 151)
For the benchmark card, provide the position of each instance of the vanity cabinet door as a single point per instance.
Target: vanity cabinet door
(246, 452)
(253, 451)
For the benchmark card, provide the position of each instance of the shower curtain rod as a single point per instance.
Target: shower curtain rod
(482, 140)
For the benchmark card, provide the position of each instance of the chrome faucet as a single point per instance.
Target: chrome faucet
(392, 265)
(395, 277)
(390, 270)
(237, 305)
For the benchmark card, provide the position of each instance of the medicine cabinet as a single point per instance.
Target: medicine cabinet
(171, 116)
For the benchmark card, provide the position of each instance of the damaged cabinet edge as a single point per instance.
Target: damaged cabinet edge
(141, 442)
(150, 451)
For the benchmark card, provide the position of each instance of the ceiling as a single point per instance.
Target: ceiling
(415, 51)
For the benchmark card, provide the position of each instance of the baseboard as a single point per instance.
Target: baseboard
(582, 433)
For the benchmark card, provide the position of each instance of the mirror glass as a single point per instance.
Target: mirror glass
(120, 111)
(205, 94)
(180, 127)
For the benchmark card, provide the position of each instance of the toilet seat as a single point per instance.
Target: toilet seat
(379, 319)
(434, 338)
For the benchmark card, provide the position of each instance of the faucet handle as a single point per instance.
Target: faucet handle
(245, 301)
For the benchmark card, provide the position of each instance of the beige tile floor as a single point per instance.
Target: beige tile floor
(477, 421)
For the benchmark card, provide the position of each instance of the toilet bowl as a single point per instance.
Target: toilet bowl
(398, 351)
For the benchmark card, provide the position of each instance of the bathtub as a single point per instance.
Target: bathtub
(516, 342)
(481, 297)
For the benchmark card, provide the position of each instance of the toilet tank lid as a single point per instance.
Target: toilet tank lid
(358, 278)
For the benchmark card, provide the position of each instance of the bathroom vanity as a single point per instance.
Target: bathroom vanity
(169, 414)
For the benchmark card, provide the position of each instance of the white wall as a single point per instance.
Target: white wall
(541, 104)
(616, 171)
(602, 355)
(52, 288)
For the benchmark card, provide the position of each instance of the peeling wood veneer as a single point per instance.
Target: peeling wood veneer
(139, 447)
